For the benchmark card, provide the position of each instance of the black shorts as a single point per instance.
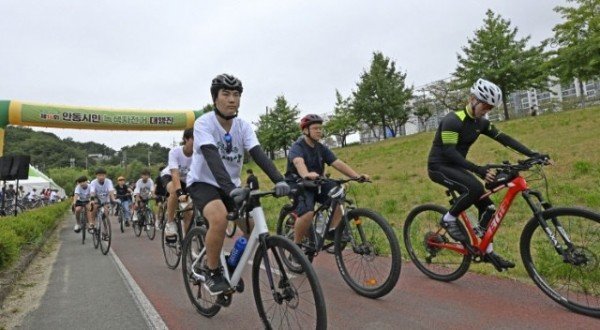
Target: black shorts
(81, 203)
(168, 178)
(204, 193)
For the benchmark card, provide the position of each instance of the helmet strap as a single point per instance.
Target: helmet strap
(223, 116)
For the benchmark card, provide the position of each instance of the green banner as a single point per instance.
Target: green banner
(69, 117)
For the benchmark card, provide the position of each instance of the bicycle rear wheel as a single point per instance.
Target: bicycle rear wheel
(285, 227)
(199, 296)
(105, 235)
(367, 253)
(296, 300)
(171, 250)
(122, 221)
(421, 231)
(571, 279)
(150, 225)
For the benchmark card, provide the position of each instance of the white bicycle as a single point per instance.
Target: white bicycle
(276, 289)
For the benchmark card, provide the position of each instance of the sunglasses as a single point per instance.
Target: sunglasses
(228, 143)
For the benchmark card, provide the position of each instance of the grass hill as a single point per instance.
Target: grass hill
(400, 182)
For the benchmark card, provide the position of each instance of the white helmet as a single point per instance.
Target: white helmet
(487, 92)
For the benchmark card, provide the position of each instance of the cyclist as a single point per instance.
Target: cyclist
(102, 189)
(307, 159)
(174, 178)
(220, 140)
(448, 166)
(124, 195)
(159, 193)
(143, 191)
(81, 200)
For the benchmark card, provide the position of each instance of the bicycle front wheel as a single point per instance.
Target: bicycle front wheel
(150, 225)
(171, 250)
(573, 278)
(105, 235)
(122, 221)
(367, 253)
(96, 234)
(422, 236)
(290, 301)
(192, 262)
(137, 226)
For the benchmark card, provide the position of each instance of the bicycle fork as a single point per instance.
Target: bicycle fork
(540, 205)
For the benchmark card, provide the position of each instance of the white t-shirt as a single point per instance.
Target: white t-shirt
(101, 190)
(178, 160)
(84, 194)
(207, 130)
(144, 189)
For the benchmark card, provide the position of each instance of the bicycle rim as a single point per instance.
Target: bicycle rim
(204, 303)
(297, 300)
(370, 262)
(421, 230)
(105, 236)
(150, 225)
(171, 251)
(285, 227)
(574, 283)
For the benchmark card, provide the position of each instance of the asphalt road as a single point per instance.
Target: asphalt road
(88, 290)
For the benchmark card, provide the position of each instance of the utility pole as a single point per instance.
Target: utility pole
(148, 157)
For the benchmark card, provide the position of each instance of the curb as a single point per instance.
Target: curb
(9, 277)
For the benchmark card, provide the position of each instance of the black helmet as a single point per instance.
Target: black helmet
(225, 81)
(100, 170)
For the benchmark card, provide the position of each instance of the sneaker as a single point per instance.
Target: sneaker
(77, 228)
(170, 229)
(454, 230)
(215, 282)
(498, 262)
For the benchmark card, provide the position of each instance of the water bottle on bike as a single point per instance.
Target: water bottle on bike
(236, 252)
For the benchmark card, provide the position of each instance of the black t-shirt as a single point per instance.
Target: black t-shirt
(122, 192)
(315, 157)
(159, 188)
(252, 182)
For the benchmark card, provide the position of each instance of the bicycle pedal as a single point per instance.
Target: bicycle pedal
(224, 299)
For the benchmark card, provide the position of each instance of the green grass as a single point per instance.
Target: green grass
(400, 182)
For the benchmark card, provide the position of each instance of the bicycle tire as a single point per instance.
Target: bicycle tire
(283, 290)
(196, 236)
(171, 251)
(231, 228)
(122, 221)
(105, 235)
(548, 269)
(150, 225)
(422, 254)
(372, 253)
(285, 227)
(82, 224)
(137, 227)
(96, 234)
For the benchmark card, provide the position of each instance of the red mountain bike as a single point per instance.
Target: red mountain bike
(560, 247)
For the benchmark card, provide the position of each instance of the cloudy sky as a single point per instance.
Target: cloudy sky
(163, 54)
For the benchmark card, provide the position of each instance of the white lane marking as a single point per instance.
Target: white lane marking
(153, 319)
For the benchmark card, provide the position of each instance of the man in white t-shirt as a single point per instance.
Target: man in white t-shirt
(81, 200)
(173, 176)
(103, 191)
(142, 192)
(220, 140)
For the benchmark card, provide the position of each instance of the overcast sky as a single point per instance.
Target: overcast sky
(163, 54)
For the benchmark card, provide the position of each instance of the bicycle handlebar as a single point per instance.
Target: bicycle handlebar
(522, 165)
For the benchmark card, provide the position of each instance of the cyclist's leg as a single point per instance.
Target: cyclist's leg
(126, 209)
(171, 202)
(306, 205)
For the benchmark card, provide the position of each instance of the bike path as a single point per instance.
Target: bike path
(474, 301)
(86, 291)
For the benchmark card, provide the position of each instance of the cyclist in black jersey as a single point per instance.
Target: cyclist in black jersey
(448, 165)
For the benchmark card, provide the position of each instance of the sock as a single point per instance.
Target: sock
(490, 248)
(449, 217)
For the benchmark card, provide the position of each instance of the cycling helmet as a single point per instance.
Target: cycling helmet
(308, 120)
(225, 81)
(487, 92)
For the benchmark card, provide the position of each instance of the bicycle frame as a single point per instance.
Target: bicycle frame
(259, 233)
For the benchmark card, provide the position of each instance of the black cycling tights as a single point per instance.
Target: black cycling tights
(462, 181)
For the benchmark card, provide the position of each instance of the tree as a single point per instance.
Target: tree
(286, 123)
(381, 96)
(423, 110)
(208, 108)
(447, 95)
(496, 55)
(266, 133)
(578, 39)
(343, 122)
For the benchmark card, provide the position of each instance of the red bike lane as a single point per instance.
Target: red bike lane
(474, 301)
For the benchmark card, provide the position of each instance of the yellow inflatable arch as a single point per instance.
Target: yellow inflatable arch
(45, 115)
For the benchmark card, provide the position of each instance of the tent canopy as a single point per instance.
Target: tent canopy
(39, 181)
